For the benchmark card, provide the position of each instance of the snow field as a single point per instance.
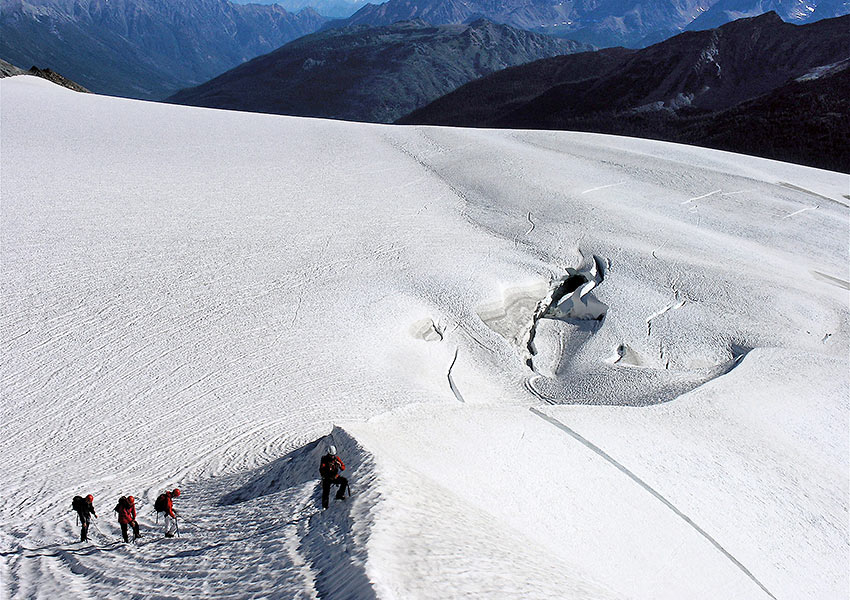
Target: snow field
(195, 297)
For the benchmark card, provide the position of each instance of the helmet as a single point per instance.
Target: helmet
(332, 450)
(176, 492)
(131, 500)
(90, 498)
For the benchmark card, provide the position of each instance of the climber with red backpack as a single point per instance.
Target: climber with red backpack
(165, 504)
(126, 509)
(84, 508)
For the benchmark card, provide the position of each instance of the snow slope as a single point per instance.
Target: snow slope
(205, 299)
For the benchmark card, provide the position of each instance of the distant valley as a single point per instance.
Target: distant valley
(144, 48)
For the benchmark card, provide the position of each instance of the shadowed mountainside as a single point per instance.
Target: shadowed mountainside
(745, 87)
(372, 74)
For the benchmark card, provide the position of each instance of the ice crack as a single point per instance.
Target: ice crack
(570, 299)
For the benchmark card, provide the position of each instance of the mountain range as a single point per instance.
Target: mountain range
(327, 8)
(151, 49)
(756, 85)
(631, 23)
(373, 74)
(791, 11)
(144, 48)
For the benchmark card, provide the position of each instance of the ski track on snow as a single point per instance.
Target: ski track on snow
(594, 448)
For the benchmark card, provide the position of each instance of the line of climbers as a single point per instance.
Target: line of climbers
(330, 468)
(126, 509)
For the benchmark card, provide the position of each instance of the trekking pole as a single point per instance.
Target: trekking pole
(190, 521)
(198, 528)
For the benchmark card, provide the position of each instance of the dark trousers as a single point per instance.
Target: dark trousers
(135, 530)
(85, 519)
(341, 481)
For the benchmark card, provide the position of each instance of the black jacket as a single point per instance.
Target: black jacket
(331, 466)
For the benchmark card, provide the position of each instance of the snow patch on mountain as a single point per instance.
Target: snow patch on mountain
(825, 70)
(679, 101)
